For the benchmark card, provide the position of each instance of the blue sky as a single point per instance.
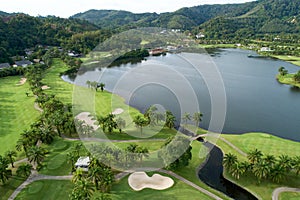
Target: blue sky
(66, 8)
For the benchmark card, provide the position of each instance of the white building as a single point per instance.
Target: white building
(83, 163)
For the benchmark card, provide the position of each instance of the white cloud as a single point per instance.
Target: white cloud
(66, 8)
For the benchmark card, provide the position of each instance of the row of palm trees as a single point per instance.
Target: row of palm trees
(95, 85)
(133, 155)
(263, 167)
(196, 117)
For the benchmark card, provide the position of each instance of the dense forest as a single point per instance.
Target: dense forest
(20, 31)
(82, 32)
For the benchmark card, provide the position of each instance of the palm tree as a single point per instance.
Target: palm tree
(10, 156)
(142, 152)
(36, 154)
(101, 85)
(24, 170)
(261, 170)
(277, 173)
(197, 117)
(270, 160)
(237, 170)
(151, 115)
(170, 119)
(186, 117)
(4, 172)
(285, 162)
(77, 175)
(110, 123)
(121, 123)
(88, 83)
(296, 164)
(72, 157)
(254, 156)
(229, 160)
(83, 189)
(140, 122)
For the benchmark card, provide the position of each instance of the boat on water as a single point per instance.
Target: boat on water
(256, 56)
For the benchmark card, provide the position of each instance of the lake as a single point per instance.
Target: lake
(255, 101)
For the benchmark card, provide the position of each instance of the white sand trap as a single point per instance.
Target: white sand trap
(140, 180)
(45, 87)
(85, 116)
(117, 111)
(22, 81)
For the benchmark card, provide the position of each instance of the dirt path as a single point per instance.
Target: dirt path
(277, 191)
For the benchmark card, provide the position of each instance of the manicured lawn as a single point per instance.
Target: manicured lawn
(289, 196)
(55, 162)
(292, 59)
(16, 111)
(11, 185)
(268, 144)
(47, 190)
(179, 190)
(287, 79)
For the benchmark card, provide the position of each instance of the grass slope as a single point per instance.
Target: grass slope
(268, 144)
(47, 190)
(287, 79)
(179, 191)
(16, 111)
(289, 196)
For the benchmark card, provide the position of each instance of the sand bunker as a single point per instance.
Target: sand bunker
(87, 119)
(22, 81)
(140, 180)
(45, 87)
(118, 111)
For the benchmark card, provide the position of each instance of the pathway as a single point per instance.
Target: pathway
(36, 177)
(277, 191)
(224, 140)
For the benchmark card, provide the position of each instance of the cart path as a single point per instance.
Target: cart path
(279, 190)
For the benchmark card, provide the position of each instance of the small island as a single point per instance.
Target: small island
(288, 78)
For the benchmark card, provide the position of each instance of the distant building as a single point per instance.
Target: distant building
(4, 65)
(22, 63)
(83, 163)
(264, 49)
(200, 35)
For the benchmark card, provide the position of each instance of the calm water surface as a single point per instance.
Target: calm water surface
(256, 102)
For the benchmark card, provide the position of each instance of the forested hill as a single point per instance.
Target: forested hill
(21, 31)
(262, 16)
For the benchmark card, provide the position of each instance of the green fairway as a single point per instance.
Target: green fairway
(292, 59)
(11, 185)
(16, 111)
(47, 190)
(268, 144)
(179, 190)
(289, 196)
(55, 162)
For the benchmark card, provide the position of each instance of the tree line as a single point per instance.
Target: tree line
(262, 166)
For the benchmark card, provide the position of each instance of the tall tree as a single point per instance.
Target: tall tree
(186, 117)
(170, 119)
(140, 122)
(24, 170)
(36, 154)
(229, 160)
(197, 118)
(10, 156)
(121, 124)
(4, 172)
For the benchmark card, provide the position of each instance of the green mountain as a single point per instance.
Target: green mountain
(216, 21)
(20, 31)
